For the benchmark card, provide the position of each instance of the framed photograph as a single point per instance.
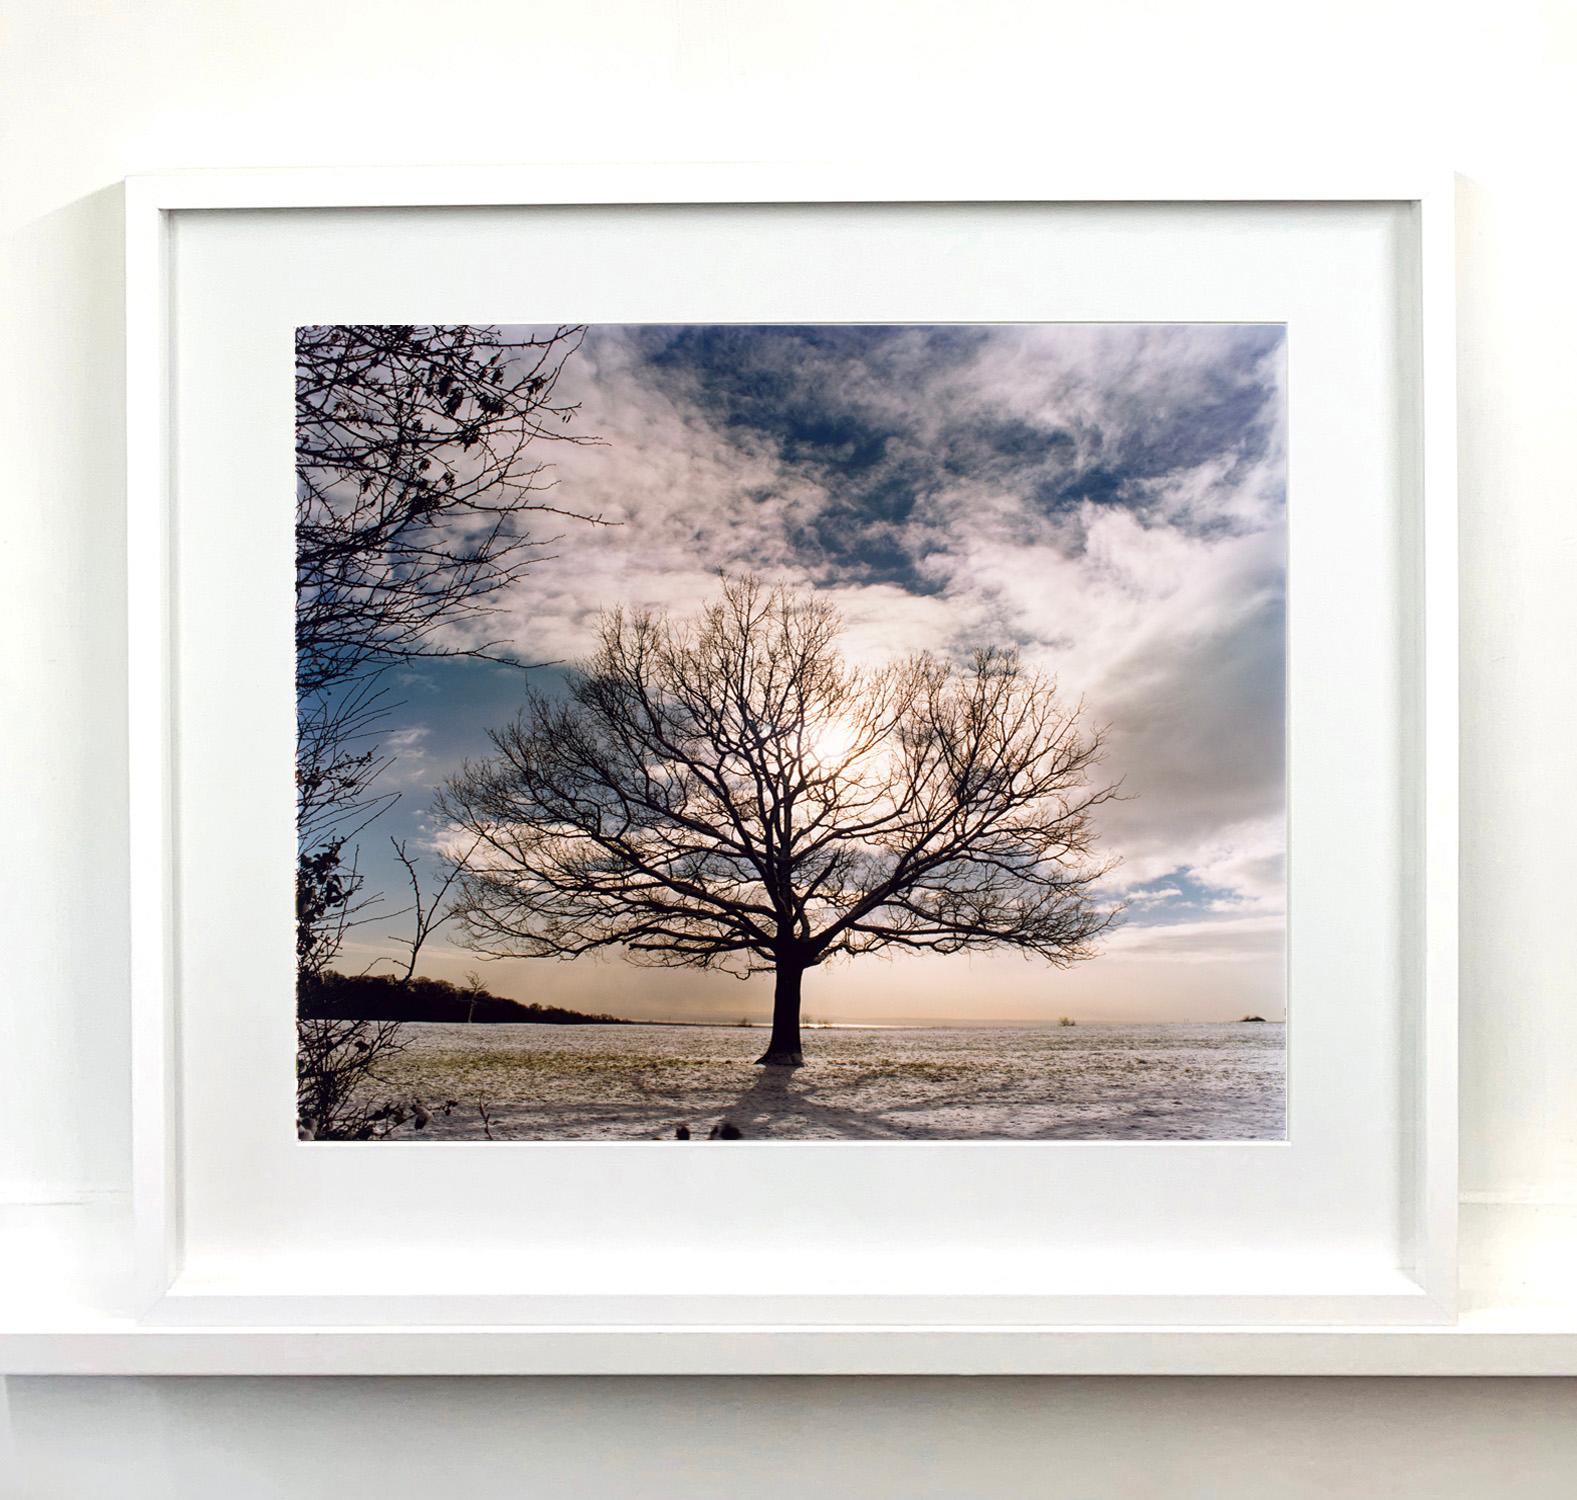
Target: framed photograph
(790, 771)
(653, 678)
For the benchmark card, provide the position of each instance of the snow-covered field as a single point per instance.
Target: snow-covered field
(631, 1083)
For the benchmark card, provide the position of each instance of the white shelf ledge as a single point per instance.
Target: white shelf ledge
(1518, 1318)
(1477, 1346)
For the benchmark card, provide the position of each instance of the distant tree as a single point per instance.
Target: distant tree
(731, 793)
(474, 991)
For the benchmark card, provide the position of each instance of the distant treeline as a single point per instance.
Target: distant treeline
(380, 997)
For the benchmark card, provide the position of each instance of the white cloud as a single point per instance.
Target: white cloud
(412, 765)
(1149, 898)
(1223, 941)
(1246, 863)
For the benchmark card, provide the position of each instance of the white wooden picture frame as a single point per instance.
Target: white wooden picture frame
(567, 1300)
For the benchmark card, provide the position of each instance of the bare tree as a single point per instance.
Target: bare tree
(417, 476)
(342, 1091)
(474, 990)
(731, 793)
(418, 482)
(428, 910)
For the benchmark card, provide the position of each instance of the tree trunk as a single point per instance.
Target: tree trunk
(783, 1049)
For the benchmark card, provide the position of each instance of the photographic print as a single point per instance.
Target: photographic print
(714, 733)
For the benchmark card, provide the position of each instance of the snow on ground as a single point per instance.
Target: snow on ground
(630, 1083)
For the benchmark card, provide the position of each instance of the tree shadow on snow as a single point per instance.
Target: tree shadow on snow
(779, 1095)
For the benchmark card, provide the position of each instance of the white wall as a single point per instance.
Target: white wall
(93, 89)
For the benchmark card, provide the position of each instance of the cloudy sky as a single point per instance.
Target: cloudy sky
(1109, 498)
